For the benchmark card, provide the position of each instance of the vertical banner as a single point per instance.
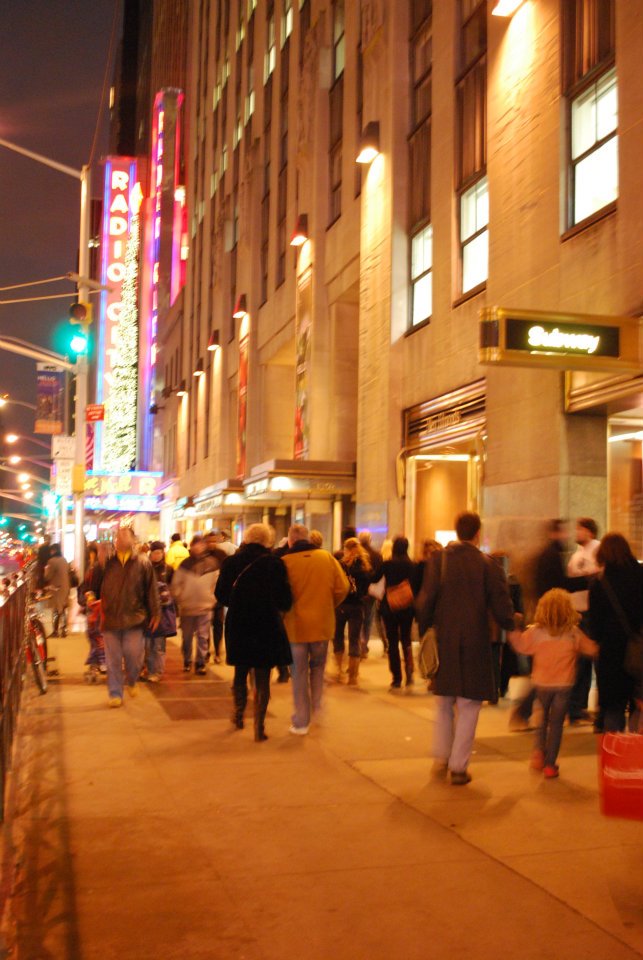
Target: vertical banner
(50, 399)
(242, 421)
(89, 446)
(302, 369)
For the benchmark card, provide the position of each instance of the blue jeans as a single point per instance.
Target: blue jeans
(454, 735)
(554, 701)
(200, 624)
(308, 659)
(127, 646)
(155, 654)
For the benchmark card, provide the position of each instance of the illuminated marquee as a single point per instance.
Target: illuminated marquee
(119, 261)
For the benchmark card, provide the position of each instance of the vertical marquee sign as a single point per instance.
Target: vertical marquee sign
(302, 370)
(242, 423)
(117, 359)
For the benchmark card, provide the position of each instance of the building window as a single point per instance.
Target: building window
(471, 144)
(304, 27)
(591, 89)
(474, 235)
(271, 47)
(287, 18)
(338, 39)
(282, 184)
(422, 275)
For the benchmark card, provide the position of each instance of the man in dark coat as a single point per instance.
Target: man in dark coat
(461, 588)
(253, 585)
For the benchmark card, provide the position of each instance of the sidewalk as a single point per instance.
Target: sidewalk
(156, 831)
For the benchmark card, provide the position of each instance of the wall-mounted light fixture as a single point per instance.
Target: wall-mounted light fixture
(300, 234)
(240, 307)
(182, 391)
(369, 142)
(198, 370)
(214, 341)
(506, 8)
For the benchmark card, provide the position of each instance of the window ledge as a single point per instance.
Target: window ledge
(470, 294)
(582, 225)
(333, 222)
(418, 326)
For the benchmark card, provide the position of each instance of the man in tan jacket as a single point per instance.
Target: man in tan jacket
(318, 586)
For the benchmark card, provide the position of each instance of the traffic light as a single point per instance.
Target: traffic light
(79, 342)
(81, 314)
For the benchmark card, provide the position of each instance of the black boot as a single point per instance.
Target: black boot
(240, 694)
(408, 666)
(262, 696)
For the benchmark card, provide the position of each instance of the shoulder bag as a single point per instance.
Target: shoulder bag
(428, 657)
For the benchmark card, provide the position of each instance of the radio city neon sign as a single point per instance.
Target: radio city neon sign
(557, 340)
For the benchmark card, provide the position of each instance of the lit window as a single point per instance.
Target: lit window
(286, 21)
(339, 42)
(252, 6)
(474, 235)
(250, 105)
(422, 275)
(271, 50)
(594, 147)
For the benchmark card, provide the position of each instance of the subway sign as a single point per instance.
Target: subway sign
(559, 341)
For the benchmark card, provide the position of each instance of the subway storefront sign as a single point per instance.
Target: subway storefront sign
(563, 341)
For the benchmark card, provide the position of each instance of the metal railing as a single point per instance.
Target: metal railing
(12, 644)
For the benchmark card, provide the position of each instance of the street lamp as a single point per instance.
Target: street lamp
(5, 399)
(12, 438)
(83, 285)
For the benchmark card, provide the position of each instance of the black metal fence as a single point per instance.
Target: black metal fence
(12, 636)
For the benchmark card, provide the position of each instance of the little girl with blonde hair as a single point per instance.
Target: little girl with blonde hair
(555, 643)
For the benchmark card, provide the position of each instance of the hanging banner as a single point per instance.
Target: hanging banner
(242, 406)
(50, 399)
(302, 425)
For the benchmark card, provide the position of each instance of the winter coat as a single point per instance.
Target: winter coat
(167, 624)
(615, 686)
(358, 579)
(128, 593)
(57, 577)
(457, 599)
(318, 586)
(193, 585)
(177, 552)
(253, 584)
(395, 571)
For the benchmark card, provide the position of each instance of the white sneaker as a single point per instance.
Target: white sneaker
(299, 731)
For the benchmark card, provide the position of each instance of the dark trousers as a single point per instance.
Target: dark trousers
(554, 701)
(398, 631)
(262, 690)
(580, 691)
(351, 614)
(368, 606)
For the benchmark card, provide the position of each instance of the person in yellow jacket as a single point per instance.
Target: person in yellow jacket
(318, 586)
(177, 552)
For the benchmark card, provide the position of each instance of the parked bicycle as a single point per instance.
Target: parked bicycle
(36, 642)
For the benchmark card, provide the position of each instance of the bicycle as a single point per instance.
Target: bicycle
(36, 645)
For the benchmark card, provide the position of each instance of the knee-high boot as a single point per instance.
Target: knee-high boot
(240, 695)
(262, 696)
(339, 660)
(408, 666)
(353, 671)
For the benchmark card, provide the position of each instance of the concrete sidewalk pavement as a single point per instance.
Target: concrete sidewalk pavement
(156, 831)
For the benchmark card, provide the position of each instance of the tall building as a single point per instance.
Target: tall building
(363, 375)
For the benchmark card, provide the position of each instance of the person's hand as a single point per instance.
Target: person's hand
(154, 622)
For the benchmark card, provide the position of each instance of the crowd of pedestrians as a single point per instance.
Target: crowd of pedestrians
(280, 606)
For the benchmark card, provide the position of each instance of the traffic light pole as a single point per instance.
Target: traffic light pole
(81, 380)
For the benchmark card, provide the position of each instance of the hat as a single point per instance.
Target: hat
(157, 545)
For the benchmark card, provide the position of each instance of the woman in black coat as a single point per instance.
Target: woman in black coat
(253, 585)
(622, 576)
(398, 623)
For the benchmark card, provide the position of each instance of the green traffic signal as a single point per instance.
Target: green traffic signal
(78, 343)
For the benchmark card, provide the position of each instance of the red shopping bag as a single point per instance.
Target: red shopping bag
(620, 761)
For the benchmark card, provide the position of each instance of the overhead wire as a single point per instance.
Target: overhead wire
(106, 74)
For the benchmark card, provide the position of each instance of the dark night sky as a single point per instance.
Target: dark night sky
(54, 54)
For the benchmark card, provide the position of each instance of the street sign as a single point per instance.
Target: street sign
(94, 412)
(63, 447)
(64, 477)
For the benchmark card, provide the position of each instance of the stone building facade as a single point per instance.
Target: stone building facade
(349, 386)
